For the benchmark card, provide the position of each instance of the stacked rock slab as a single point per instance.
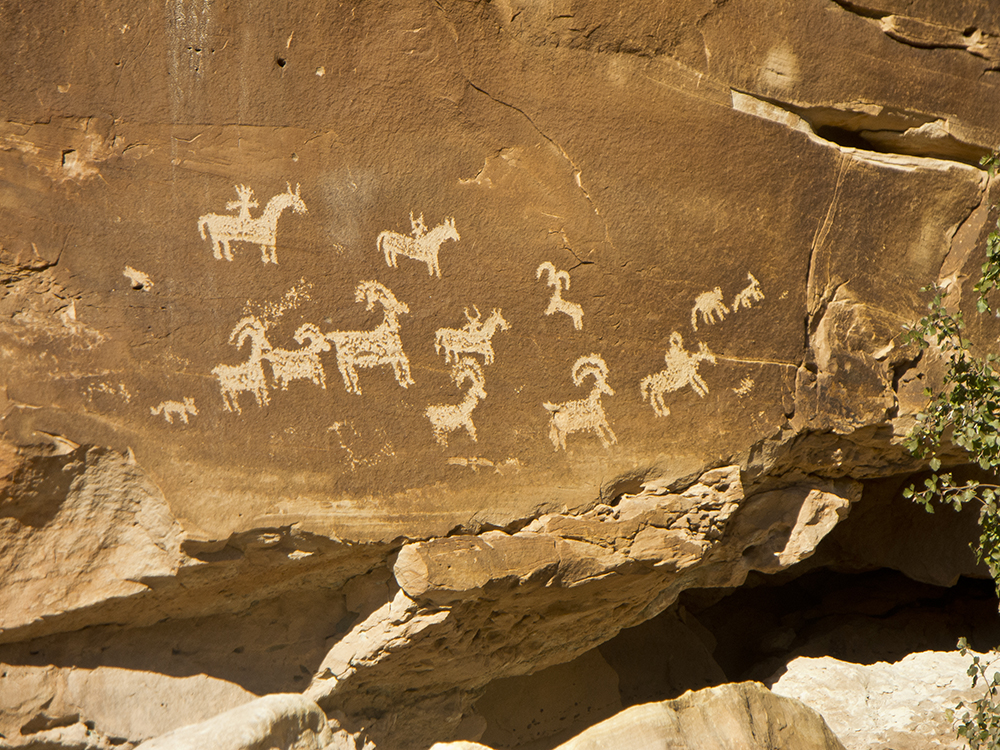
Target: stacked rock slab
(381, 351)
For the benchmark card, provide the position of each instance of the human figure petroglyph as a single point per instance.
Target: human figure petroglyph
(379, 346)
(224, 229)
(559, 281)
(708, 305)
(748, 295)
(423, 245)
(472, 338)
(681, 370)
(446, 418)
(586, 414)
(248, 376)
(300, 364)
(171, 409)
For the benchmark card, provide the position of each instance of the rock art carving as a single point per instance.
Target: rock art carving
(348, 434)
(748, 295)
(472, 338)
(138, 279)
(476, 463)
(559, 281)
(224, 229)
(422, 246)
(171, 409)
(681, 370)
(379, 346)
(586, 414)
(248, 376)
(746, 385)
(708, 305)
(446, 418)
(300, 364)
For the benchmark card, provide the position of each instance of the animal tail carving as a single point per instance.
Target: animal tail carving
(202, 223)
(549, 406)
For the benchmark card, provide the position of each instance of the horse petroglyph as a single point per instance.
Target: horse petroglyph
(586, 414)
(171, 409)
(559, 281)
(248, 376)
(422, 246)
(224, 229)
(708, 305)
(303, 363)
(681, 370)
(379, 346)
(446, 418)
(748, 295)
(472, 338)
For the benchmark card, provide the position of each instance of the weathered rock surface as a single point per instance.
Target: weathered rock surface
(745, 715)
(388, 350)
(880, 706)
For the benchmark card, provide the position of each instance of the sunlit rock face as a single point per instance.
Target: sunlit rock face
(382, 351)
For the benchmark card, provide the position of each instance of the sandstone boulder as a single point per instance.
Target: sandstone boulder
(274, 722)
(738, 715)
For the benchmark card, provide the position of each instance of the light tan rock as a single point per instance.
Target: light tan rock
(81, 527)
(879, 706)
(118, 703)
(739, 715)
(282, 721)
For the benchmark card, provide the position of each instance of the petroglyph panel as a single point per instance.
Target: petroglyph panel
(438, 203)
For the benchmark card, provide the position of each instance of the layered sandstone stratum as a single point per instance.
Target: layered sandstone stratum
(389, 373)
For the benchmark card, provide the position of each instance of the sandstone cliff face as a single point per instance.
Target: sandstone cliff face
(383, 351)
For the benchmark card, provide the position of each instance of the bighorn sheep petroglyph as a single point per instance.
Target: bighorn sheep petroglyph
(708, 304)
(681, 370)
(472, 338)
(248, 376)
(422, 246)
(559, 281)
(446, 418)
(379, 346)
(224, 229)
(586, 414)
(300, 364)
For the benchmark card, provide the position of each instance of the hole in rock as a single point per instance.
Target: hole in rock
(280, 62)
